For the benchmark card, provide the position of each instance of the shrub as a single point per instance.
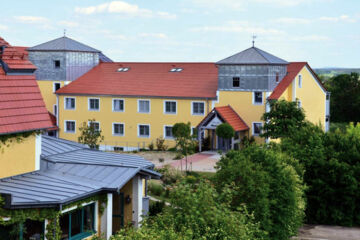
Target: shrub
(155, 188)
(196, 212)
(178, 156)
(270, 187)
(151, 146)
(170, 175)
(160, 144)
(156, 207)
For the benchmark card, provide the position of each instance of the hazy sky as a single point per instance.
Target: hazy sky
(322, 32)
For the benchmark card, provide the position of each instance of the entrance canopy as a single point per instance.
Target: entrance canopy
(219, 115)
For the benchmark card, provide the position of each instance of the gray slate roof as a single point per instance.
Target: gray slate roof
(104, 58)
(63, 44)
(71, 171)
(252, 55)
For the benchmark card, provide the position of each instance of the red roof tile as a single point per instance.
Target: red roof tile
(53, 121)
(196, 80)
(228, 114)
(21, 105)
(293, 69)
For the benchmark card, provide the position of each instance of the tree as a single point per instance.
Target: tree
(185, 142)
(345, 97)
(332, 172)
(90, 135)
(225, 131)
(267, 182)
(283, 119)
(197, 212)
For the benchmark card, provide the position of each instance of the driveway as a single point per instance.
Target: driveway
(199, 162)
(321, 232)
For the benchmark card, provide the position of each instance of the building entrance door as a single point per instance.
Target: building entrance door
(118, 212)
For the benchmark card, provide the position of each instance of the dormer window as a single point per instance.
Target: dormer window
(123, 69)
(176, 70)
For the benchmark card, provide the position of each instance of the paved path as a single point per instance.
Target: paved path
(201, 162)
(320, 232)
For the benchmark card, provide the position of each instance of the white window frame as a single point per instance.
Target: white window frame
(253, 98)
(74, 103)
(113, 129)
(300, 81)
(138, 105)
(138, 130)
(54, 85)
(299, 104)
(170, 113)
(253, 129)
(120, 99)
(65, 126)
(165, 137)
(95, 122)
(192, 108)
(93, 110)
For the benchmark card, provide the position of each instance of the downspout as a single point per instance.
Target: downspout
(57, 114)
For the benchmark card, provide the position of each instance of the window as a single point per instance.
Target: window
(94, 125)
(70, 126)
(55, 110)
(143, 106)
(123, 69)
(78, 224)
(299, 103)
(176, 70)
(300, 81)
(258, 98)
(236, 82)
(257, 128)
(69, 103)
(118, 149)
(118, 129)
(277, 77)
(170, 107)
(94, 104)
(168, 132)
(57, 63)
(118, 105)
(57, 86)
(198, 108)
(144, 130)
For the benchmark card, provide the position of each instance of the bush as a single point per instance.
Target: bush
(170, 175)
(178, 156)
(151, 146)
(156, 207)
(160, 144)
(267, 182)
(196, 212)
(155, 188)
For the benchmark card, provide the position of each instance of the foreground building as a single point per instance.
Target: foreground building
(49, 183)
(136, 103)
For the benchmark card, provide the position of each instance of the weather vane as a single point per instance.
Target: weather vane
(253, 41)
(64, 32)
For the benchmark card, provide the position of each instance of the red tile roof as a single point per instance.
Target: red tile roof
(53, 121)
(228, 114)
(293, 69)
(196, 80)
(21, 105)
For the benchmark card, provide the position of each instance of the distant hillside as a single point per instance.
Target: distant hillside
(330, 72)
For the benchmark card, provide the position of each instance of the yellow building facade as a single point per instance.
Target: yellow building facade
(157, 119)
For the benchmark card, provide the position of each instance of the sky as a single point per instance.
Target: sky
(325, 33)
